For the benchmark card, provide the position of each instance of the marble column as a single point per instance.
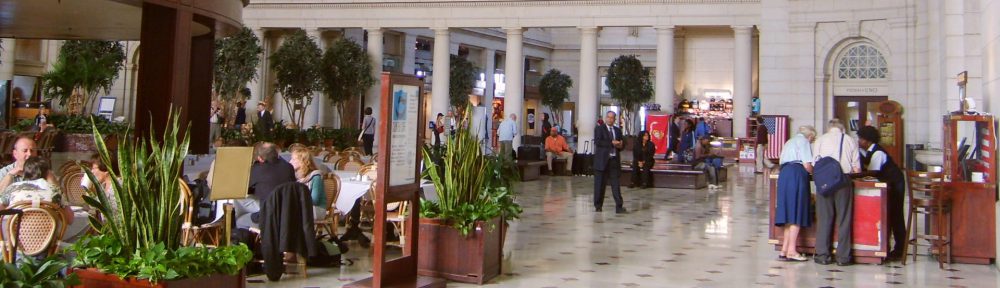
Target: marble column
(514, 74)
(489, 68)
(258, 86)
(441, 73)
(373, 97)
(742, 82)
(316, 109)
(409, 53)
(665, 68)
(588, 102)
(7, 58)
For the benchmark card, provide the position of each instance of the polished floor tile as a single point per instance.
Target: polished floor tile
(671, 238)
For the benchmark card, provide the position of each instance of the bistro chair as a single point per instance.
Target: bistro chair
(208, 234)
(927, 197)
(328, 224)
(35, 232)
(349, 164)
(70, 185)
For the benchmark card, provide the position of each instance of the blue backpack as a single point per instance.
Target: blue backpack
(827, 173)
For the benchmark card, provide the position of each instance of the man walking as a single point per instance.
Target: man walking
(838, 206)
(506, 133)
(607, 163)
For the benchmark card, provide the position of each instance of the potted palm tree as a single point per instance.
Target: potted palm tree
(474, 202)
(139, 230)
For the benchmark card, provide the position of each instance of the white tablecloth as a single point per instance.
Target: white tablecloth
(351, 190)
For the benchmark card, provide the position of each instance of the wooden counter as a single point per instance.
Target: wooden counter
(871, 243)
(973, 222)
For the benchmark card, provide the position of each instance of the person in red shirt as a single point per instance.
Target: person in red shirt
(556, 148)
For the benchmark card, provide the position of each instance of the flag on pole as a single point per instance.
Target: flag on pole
(777, 134)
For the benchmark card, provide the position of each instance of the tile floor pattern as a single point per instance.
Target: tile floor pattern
(671, 238)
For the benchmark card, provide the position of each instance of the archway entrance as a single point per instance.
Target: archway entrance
(860, 82)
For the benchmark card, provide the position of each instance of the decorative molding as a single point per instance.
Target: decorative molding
(482, 3)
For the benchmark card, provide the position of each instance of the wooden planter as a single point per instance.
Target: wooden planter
(91, 278)
(78, 142)
(445, 253)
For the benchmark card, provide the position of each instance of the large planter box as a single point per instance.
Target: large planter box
(445, 253)
(77, 142)
(91, 278)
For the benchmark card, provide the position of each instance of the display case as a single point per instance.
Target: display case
(747, 152)
(970, 181)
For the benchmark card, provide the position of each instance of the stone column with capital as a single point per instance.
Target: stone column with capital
(441, 73)
(742, 74)
(514, 75)
(665, 68)
(7, 59)
(588, 102)
(409, 53)
(316, 110)
(374, 95)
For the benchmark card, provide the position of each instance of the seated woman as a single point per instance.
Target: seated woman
(707, 160)
(35, 186)
(642, 161)
(102, 173)
(306, 173)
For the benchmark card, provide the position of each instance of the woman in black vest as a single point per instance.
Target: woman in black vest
(876, 162)
(642, 161)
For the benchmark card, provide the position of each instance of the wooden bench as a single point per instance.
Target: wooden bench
(530, 170)
(670, 178)
(558, 168)
(723, 171)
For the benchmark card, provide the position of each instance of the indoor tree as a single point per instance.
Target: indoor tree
(296, 69)
(346, 73)
(630, 87)
(236, 60)
(554, 87)
(83, 69)
(463, 79)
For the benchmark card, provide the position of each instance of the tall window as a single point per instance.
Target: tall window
(861, 62)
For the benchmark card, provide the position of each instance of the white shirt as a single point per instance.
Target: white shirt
(878, 158)
(797, 149)
(368, 125)
(214, 118)
(829, 145)
(507, 130)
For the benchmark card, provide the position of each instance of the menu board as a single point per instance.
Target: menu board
(403, 137)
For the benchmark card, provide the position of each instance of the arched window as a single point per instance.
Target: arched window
(861, 62)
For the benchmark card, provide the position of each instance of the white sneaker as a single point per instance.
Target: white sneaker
(712, 187)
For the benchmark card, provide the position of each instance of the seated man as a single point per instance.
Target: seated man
(24, 148)
(268, 172)
(556, 147)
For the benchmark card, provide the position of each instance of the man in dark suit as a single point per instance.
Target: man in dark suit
(264, 120)
(607, 162)
(269, 171)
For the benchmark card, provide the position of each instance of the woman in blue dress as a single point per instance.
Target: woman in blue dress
(793, 210)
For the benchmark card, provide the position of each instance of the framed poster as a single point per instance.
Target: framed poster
(405, 125)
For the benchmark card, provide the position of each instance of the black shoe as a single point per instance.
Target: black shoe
(822, 260)
(846, 263)
(598, 209)
(621, 210)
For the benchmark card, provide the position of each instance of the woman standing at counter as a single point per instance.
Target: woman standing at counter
(792, 211)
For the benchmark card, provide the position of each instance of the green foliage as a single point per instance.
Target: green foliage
(28, 272)
(630, 87)
(81, 124)
(462, 80)
(296, 67)
(145, 211)
(344, 138)
(235, 137)
(157, 263)
(554, 87)
(236, 60)
(465, 196)
(346, 73)
(23, 125)
(89, 65)
(314, 135)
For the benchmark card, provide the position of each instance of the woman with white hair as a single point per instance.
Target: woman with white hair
(792, 210)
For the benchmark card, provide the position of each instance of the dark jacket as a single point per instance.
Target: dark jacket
(264, 121)
(761, 134)
(673, 137)
(889, 172)
(602, 146)
(644, 154)
(264, 177)
(286, 226)
(241, 116)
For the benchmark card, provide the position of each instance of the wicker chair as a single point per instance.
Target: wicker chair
(354, 149)
(331, 185)
(296, 146)
(70, 185)
(209, 234)
(349, 164)
(47, 143)
(349, 154)
(72, 166)
(37, 231)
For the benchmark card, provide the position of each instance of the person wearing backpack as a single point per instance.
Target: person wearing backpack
(879, 164)
(837, 202)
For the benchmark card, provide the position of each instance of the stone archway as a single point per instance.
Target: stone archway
(856, 77)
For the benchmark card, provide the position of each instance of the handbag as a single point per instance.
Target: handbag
(827, 173)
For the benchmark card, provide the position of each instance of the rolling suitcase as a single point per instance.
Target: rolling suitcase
(583, 162)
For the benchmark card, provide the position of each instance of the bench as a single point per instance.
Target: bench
(670, 178)
(558, 167)
(723, 171)
(530, 170)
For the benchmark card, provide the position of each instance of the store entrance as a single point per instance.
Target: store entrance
(857, 111)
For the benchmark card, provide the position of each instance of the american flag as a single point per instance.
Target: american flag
(777, 134)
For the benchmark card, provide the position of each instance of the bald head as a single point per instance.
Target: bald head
(24, 148)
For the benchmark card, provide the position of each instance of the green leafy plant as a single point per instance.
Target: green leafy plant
(465, 196)
(630, 87)
(23, 125)
(158, 263)
(296, 69)
(344, 138)
(83, 69)
(346, 74)
(554, 87)
(82, 124)
(28, 272)
(462, 80)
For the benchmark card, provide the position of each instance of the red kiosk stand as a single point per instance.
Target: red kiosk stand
(400, 136)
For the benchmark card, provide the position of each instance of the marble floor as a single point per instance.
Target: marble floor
(671, 238)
